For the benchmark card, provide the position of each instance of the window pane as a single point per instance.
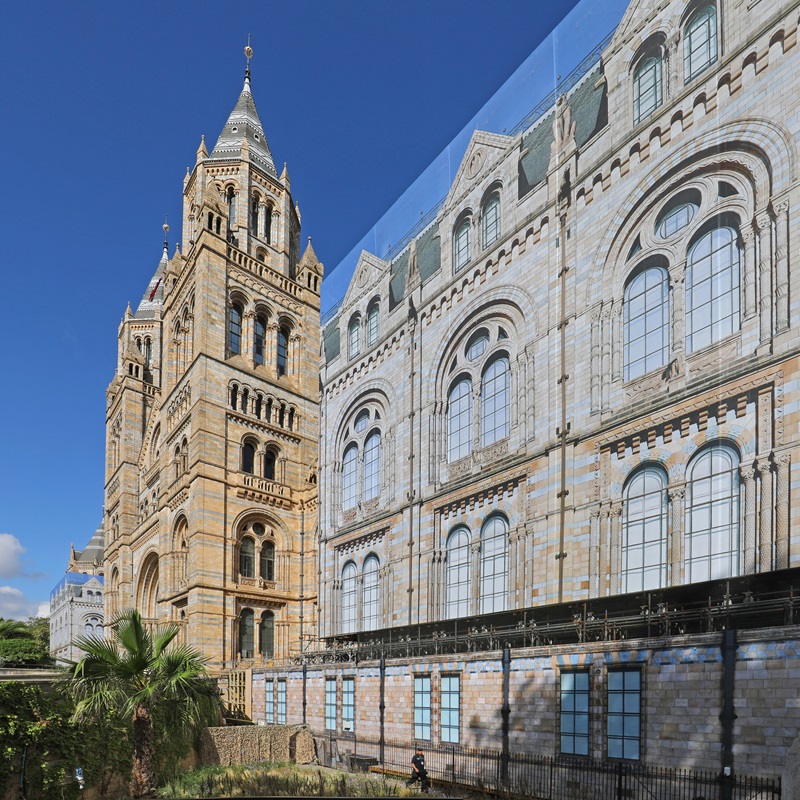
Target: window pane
(422, 708)
(457, 574)
(372, 466)
(330, 704)
(350, 478)
(574, 718)
(623, 723)
(646, 322)
(370, 595)
(461, 245)
(494, 568)
(491, 221)
(450, 699)
(349, 598)
(700, 42)
(372, 326)
(459, 421)
(647, 88)
(644, 531)
(495, 402)
(712, 515)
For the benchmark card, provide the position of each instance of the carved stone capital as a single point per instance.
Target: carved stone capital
(764, 465)
(676, 494)
(747, 471)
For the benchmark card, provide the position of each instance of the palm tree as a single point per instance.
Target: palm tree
(134, 672)
(14, 629)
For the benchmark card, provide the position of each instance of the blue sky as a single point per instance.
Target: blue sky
(103, 105)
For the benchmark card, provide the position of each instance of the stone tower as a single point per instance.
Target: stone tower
(212, 416)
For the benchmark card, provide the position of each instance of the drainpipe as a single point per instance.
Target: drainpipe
(382, 707)
(505, 714)
(728, 716)
(563, 430)
(412, 324)
(302, 592)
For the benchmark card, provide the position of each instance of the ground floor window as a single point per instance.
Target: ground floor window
(269, 697)
(451, 702)
(624, 714)
(422, 708)
(282, 702)
(330, 704)
(575, 713)
(348, 704)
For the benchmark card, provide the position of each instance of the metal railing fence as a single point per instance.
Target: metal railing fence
(547, 777)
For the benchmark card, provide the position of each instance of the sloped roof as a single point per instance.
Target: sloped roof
(153, 297)
(330, 339)
(587, 102)
(429, 262)
(244, 124)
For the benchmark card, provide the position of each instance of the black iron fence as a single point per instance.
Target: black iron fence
(546, 777)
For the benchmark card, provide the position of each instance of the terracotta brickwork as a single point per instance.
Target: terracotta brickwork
(212, 419)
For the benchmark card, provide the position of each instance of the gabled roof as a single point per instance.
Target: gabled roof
(244, 131)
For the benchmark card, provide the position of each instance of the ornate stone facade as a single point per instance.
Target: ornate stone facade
(212, 416)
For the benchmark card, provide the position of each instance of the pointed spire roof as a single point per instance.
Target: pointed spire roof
(153, 297)
(244, 131)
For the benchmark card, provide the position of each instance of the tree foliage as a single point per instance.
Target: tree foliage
(25, 644)
(136, 675)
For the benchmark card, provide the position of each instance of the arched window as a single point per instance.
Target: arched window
(230, 195)
(459, 420)
(350, 477)
(370, 598)
(490, 222)
(700, 42)
(712, 515)
(268, 225)
(494, 565)
(457, 574)
(372, 466)
(282, 350)
(247, 558)
(644, 531)
(254, 217)
(372, 324)
(675, 218)
(246, 633)
(266, 635)
(647, 87)
(269, 465)
(646, 322)
(354, 337)
(248, 457)
(268, 561)
(712, 288)
(349, 598)
(461, 245)
(259, 336)
(235, 329)
(495, 402)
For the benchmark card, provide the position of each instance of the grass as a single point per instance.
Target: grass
(278, 780)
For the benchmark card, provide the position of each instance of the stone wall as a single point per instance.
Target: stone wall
(250, 744)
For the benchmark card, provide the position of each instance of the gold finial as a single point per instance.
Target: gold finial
(248, 51)
(165, 227)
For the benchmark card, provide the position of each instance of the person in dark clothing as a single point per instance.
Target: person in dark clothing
(418, 771)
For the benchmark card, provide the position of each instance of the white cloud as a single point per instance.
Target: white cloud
(11, 550)
(14, 605)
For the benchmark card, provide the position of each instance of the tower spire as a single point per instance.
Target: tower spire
(165, 227)
(248, 52)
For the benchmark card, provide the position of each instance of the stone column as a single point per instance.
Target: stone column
(594, 553)
(765, 275)
(293, 367)
(520, 411)
(747, 473)
(781, 264)
(476, 418)
(261, 227)
(677, 279)
(270, 344)
(783, 465)
(750, 269)
(616, 343)
(248, 320)
(513, 542)
(677, 498)
(594, 354)
(475, 571)
(616, 546)
(603, 551)
(764, 466)
(605, 368)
